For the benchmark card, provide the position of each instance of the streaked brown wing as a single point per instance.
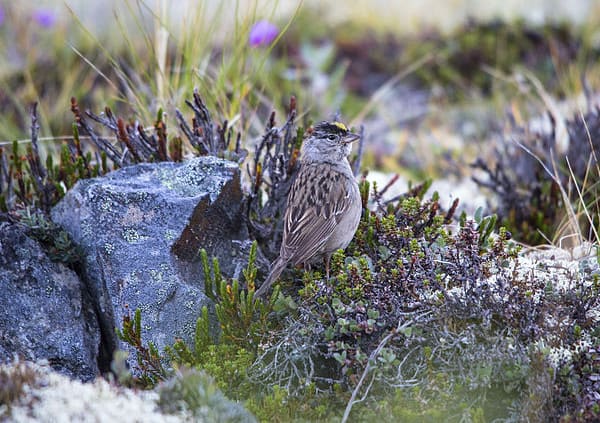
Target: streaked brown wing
(310, 223)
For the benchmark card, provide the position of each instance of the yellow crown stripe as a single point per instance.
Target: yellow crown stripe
(340, 125)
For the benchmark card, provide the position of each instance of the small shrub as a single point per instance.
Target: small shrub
(56, 241)
(25, 181)
(149, 360)
(538, 185)
(194, 391)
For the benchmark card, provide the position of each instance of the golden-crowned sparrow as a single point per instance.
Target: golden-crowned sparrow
(324, 204)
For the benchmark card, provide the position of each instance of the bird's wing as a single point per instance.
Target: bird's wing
(317, 200)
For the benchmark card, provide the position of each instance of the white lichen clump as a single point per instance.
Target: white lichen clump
(59, 399)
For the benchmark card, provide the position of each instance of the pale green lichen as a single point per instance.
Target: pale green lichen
(190, 305)
(106, 206)
(170, 235)
(132, 236)
(145, 308)
(163, 292)
(86, 230)
(155, 275)
(109, 248)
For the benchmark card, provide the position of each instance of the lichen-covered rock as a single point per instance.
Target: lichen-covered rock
(44, 314)
(127, 224)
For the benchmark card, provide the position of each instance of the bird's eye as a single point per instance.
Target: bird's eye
(332, 137)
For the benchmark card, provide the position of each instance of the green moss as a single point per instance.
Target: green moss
(54, 240)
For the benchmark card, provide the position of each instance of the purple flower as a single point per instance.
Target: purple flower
(263, 33)
(1, 15)
(45, 18)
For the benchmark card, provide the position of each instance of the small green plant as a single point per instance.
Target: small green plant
(148, 357)
(56, 241)
(485, 226)
(243, 318)
(195, 391)
(27, 181)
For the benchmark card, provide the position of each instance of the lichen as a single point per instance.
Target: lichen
(132, 236)
(54, 397)
(109, 248)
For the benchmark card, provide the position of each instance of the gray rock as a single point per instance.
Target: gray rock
(43, 312)
(127, 223)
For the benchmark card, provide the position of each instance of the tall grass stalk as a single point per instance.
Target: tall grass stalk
(165, 61)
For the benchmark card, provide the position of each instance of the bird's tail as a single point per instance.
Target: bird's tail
(276, 269)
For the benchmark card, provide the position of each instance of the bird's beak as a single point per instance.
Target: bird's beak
(350, 138)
